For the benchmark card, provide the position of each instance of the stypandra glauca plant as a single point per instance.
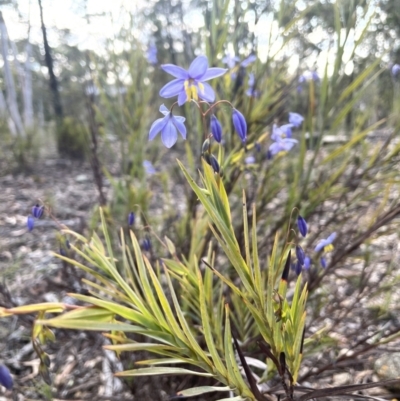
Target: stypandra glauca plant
(198, 317)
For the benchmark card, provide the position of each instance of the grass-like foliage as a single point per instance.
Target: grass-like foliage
(261, 245)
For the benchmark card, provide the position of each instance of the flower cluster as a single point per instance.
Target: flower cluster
(191, 85)
(282, 136)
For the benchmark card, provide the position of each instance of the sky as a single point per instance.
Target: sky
(69, 14)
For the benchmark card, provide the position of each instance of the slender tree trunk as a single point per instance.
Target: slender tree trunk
(11, 93)
(58, 111)
(28, 96)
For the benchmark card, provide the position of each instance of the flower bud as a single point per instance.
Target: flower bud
(323, 262)
(146, 244)
(214, 164)
(302, 225)
(30, 223)
(37, 211)
(216, 128)
(300, 254)
(239, 122)
(307, 262)
(206, 146)
(131, 219)
(298, 267)
(207, 158)
(5, 377)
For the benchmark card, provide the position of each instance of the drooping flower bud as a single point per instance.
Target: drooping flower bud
(131, 219)
(307, 262)
(214, 164)
(302, 225)
(5, 377)
(239, 122)
(298, 267)
(216, 128)
(323, 262)
(146, 244)
(37, 211)
(206, 146)
(300, 254)
(30, 223)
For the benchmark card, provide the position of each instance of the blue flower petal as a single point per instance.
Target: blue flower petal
(288, 143)
(247, 61)
(172, 88)
(296, 119)
(287, 129)
(321, 245)
(169, 136)
(208, 93)
(277, 133)
(178, 122)
(198, 67)
(331, 238)
(182, 98)
(213, 73)
(163, 109)
(157, 126)
(275, 148)
(307, 262)
(175, 71)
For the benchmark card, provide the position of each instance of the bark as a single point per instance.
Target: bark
(58, 110)
(27, 89)
(11, 98)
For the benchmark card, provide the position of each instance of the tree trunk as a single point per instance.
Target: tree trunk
(58, 111)
(9, 82)
(27, 90)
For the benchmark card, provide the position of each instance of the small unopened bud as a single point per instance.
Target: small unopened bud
(37, 211)
(207, 158)
(300, 254)
(5, 377)
(206, 146)
(216, 128)
(239, 122)
(302, 225)
(30, 223)
(131, 218)
(146, 244)
(214, 164)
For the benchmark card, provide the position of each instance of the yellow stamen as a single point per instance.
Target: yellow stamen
(329, 248)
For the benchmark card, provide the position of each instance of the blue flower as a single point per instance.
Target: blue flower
(296, 119)
(191, 84)
(30, 222)
(326, 244)
(287, 130)
(323, 262)
(298, 267)
(248, 60)
(395, 70)
(302, 225)
(282, 145)
(307, 262)
(230, 60)
(148, 167)
(151, 54)
(250, 160)
(168, 126)
(216, 128)
(239, 122)
(5, 377)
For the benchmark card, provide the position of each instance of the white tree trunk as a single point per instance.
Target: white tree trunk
(27, 89)
(9, 81)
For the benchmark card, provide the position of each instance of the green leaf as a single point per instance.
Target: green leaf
(161, 371)
(192, 392)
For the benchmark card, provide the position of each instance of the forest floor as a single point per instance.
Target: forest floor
(30, 273)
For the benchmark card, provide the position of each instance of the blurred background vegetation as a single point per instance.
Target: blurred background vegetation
(91, 95)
